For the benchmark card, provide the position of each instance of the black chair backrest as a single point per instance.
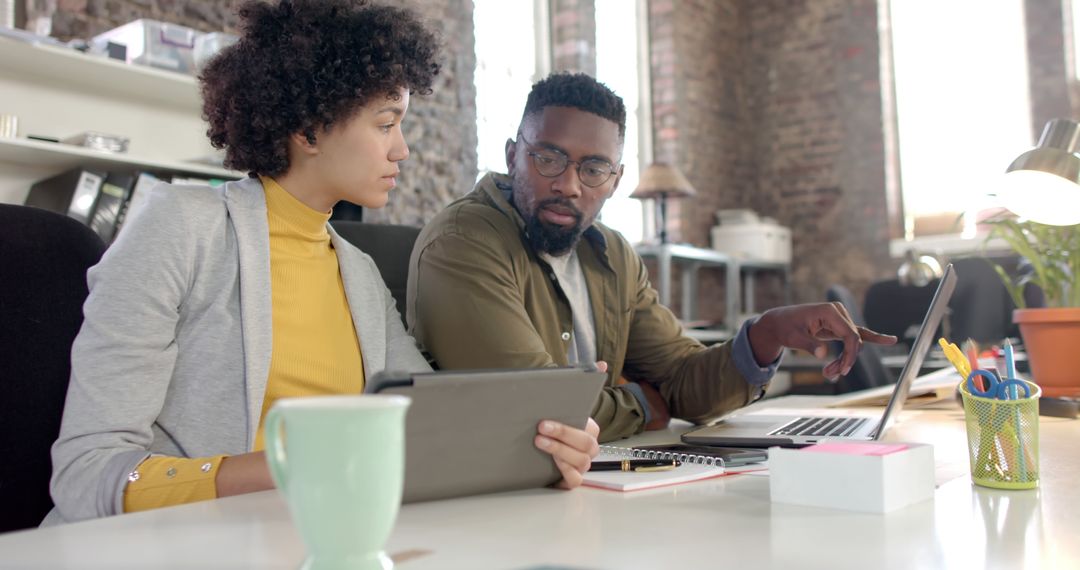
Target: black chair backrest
(892, 308)
(44, 257)
(981, 306)
(868, 371)
(389, 246)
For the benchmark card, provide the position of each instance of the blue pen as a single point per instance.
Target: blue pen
(1010, 372)
(1010, 367)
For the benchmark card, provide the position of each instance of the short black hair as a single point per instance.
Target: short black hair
(579, 91)
(302, 65)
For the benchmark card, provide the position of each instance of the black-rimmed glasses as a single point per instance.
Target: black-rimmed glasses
(550, 163)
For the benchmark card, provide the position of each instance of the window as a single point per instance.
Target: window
(619, 65)
(7, 13)
(963, 109)
(506, 68)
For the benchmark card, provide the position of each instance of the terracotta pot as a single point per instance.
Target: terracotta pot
(1052, 342)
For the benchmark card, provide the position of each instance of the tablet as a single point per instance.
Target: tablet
(471, 432)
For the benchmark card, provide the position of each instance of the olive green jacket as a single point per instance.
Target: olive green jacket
(479, 297)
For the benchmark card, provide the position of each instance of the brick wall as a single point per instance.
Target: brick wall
(815, 101)
(698, 108)
(775, 105)
(1054, 90)
(698, 59)
(573, 35)
(440, 128)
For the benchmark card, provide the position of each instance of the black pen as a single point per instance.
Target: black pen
(640, 465)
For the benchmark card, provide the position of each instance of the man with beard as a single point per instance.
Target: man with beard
(518, 274)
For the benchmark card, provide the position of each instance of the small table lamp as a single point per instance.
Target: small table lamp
(660, 181)
(1043, 184)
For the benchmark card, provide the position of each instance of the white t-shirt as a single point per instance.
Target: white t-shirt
(567, 268)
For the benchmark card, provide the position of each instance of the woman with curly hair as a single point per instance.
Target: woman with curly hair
(214, 303)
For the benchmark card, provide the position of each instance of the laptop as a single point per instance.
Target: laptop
(795, 430)
(471, 432)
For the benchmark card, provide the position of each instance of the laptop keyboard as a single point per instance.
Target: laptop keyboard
(821, 427)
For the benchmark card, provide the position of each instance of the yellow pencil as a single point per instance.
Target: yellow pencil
(959, 358)
(955, 357)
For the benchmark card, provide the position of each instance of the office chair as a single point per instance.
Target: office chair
(389, 246)
(981, 306)
(868, 370)
(44, 257)
(892, 308)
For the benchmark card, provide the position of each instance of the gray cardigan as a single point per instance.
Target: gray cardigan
(174, 352)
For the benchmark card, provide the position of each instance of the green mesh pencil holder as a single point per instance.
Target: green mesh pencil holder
(1003, 439)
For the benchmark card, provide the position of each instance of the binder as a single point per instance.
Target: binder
(114, 193)
(73, 193)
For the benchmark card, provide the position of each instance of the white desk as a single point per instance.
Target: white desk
(720, 523)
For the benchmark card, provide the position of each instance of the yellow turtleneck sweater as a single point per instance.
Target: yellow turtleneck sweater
(315, 348)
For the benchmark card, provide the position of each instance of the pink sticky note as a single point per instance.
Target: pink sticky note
(857, 448)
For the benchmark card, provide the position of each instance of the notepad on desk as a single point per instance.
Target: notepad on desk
(923, 396)
(636, 480)
(925, 391)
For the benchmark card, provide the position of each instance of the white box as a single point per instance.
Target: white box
(756, 242)
(852, 475)
(736, 216)
(208, 45)
(150, 42)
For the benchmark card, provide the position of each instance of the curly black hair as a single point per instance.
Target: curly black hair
(302, 65)
(579, 91)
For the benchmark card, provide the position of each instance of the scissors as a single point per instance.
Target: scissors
(995, 388)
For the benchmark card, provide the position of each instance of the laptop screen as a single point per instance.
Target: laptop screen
(919, 348)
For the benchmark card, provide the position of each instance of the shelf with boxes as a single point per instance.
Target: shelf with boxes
(96, 75)
(55, 92)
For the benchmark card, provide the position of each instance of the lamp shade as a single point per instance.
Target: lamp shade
(1043, 184)
(661, 179)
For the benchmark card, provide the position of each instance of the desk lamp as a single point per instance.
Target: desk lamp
(659, 182)
(1043, 184)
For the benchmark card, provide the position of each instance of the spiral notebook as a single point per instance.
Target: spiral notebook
(693, 468)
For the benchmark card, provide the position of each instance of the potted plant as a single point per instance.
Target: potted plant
(1051, 332)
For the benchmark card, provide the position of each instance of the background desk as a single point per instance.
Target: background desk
(691, 259)
(727, 522)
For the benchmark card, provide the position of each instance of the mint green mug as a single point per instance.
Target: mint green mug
(340, 464)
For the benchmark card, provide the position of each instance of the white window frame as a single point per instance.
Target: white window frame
(643, 114)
